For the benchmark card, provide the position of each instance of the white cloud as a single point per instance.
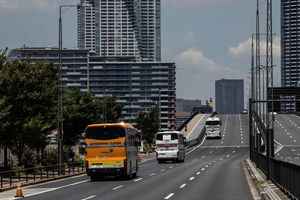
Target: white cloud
(195, 57)
(196, 74)
(243, 49)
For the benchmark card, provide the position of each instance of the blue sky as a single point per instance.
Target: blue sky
(208, 39)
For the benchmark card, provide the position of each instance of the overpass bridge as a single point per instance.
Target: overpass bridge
(193, 129)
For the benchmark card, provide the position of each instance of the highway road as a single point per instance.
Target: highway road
(287, 134)
(211, 171)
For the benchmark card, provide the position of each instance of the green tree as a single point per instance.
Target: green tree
(81, 109)
(28, 104)
(148, 123)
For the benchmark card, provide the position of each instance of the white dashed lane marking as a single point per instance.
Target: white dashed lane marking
(118, 187)
(90, 197)
(182, 186)
(169, 196)
(191, 178)
(139, 179)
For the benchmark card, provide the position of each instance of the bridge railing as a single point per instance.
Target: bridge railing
(10, 179)
(285, 175)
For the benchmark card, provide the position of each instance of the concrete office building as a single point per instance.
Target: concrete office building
(115, 28)
(229, 96)
(290, 43)
(137, 85)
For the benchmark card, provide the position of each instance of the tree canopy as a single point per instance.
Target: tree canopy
(148, 123)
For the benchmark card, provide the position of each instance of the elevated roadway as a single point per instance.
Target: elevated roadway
(195, 126)
(287, 135)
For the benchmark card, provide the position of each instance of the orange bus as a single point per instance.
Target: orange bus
(111, 150)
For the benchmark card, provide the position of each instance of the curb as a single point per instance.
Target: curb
(253, 189)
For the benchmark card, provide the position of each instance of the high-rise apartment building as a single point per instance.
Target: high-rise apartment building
(229, 96)
(290, 43)
(114, 28)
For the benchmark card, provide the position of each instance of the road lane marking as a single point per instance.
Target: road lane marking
(139, 179)
(195, 148)
(152, 174)
(182, 186)
(171, 167)
(202, 169)
(162, 170)
(90, 197)
(169, 196)
(118, 187)
(198, 173)
(191, 178)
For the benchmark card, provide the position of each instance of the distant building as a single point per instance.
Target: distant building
(229, 96)
(182, 117)
(121, 28)
(187, 105)
(137, 85)
(290, 46)
(205, 109)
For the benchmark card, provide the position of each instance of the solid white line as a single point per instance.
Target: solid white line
(57, 188)
(118, 187)
(169, 196)
(182, 186)
(90, 197)
(191, 178)
(136, 180)
(195, 148)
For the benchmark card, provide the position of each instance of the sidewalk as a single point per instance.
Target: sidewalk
(260, 187)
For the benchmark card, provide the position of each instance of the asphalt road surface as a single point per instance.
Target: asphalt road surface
(287, 134)
(211, 171)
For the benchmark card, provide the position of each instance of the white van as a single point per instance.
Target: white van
(213, 127)
(170, 145)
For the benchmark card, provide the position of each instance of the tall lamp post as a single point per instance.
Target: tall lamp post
(60, 92)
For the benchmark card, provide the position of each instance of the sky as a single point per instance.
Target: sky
(208, 39)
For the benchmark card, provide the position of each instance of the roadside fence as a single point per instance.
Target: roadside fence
(10, 179)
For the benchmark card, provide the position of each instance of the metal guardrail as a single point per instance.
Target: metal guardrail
(285, 175)
(10, 179)
(187, 121)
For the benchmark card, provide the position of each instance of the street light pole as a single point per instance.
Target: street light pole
(60, 91)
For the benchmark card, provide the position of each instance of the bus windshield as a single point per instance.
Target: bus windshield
(213, 123)
(101, 133)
